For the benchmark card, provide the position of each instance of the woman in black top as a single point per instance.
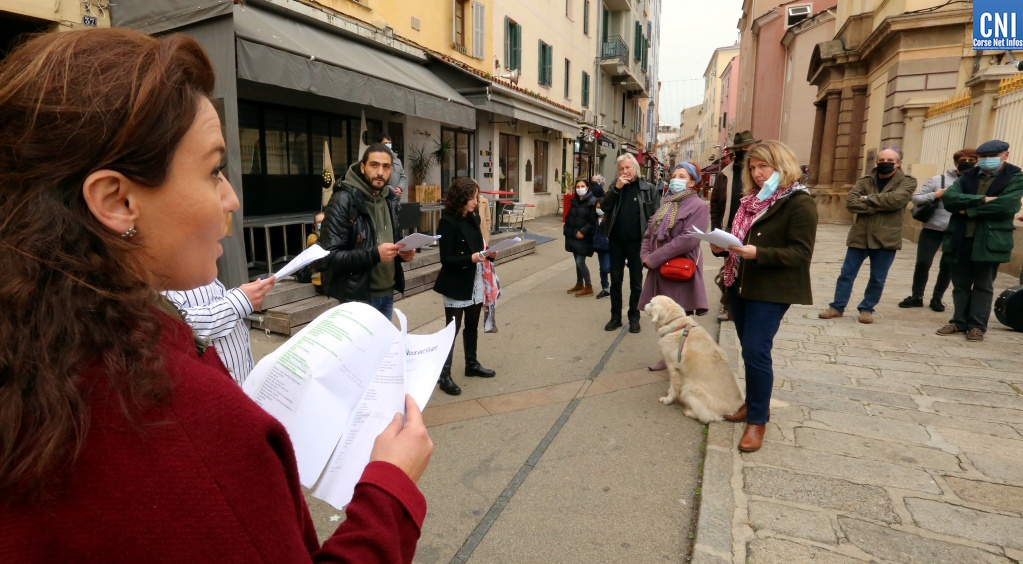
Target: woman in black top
(460, 281)
(580, 223)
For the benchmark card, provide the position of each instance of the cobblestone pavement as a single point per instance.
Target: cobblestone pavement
(895, 444)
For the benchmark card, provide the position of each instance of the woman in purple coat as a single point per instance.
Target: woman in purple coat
(666, 238)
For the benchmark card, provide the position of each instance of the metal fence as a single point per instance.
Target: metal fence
(945, 131)
(1009, 113)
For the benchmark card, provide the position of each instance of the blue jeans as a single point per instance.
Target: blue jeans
(582, 273)
(880, 261)
(384, 305)
(756, 324)
(604, 260)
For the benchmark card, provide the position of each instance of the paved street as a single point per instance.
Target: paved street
(893, 444)
(565, 456)
(897, 445)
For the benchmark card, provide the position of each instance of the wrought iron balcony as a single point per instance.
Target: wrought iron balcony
(614, 48)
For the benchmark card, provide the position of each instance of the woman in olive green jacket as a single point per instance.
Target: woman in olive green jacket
(778, 227)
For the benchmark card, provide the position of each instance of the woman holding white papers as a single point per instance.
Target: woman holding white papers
(777, 222)
(124, 439)
(460, 282)
(666, 243)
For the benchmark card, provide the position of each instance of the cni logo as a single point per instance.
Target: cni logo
(996, 24)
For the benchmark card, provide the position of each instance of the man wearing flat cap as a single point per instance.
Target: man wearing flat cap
(983, 202)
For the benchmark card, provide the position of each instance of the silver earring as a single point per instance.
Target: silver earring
(130, 233)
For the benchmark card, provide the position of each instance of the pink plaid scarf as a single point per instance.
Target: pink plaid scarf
(750, 210)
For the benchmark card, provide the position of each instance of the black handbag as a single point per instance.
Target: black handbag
(924, 212)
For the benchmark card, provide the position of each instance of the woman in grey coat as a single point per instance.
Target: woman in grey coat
(933, 232)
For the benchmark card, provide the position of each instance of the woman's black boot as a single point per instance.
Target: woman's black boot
(447, 385)
(472, 366)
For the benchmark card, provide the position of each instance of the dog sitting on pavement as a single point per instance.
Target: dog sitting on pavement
(700, 378)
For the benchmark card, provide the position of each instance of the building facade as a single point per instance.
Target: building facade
(798, 96)
(729, 97)
(710, 126)
(18, 17)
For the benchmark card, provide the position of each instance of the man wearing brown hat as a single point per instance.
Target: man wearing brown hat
(724, 198)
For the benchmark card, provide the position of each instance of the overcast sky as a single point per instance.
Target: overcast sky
(690, 31)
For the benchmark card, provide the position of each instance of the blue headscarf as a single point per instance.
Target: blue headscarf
(689, 168)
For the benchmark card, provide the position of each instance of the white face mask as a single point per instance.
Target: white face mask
(581, 191)
(677, 185)
(600, 212)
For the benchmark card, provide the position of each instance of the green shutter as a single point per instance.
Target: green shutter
(550, 65)
(540, 60)
(646, 47)
(517, 47)
(507, 43)
(638, 42)
(586, 90)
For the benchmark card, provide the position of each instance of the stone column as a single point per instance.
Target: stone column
(913, 118)
(829, 138)
(815, 147)
(852, 167)
(984, 90)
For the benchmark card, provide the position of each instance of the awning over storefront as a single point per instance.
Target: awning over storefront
(499, 101)
(155, 17)
(287, 53)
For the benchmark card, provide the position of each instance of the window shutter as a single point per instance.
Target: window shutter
(541, 76)
(586, 17)
(586, 90)
(478, 29)
(454, 22)
(550, 65)
(518, 47)
(638, 42)
(508, 44)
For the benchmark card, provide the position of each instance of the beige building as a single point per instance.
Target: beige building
(798, 96)
(34, 16)
(711, 122)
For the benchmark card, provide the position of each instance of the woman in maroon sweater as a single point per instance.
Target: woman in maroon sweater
(123, 438)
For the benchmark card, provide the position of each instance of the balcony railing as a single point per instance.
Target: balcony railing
(614, 48)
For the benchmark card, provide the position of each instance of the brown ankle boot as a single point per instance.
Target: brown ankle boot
(738, 416)
(586, 291)
(575, 288)
(752, 438)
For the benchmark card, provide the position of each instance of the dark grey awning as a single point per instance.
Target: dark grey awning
(287, 53)
(152, 17)
(504, 104)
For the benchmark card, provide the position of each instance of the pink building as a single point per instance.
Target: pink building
(762, 84)
(729, 97)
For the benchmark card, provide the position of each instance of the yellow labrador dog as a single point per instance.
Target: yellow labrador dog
(701, 379)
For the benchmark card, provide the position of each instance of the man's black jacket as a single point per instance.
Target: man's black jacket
(350, 239)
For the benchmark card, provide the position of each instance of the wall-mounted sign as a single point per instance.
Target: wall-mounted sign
(606, 143)
(89, 21)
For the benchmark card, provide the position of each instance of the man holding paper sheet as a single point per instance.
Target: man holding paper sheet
(360, 233)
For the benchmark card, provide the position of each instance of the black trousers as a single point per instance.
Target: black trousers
(927, 247)
(973, 289)
(623, 252)
(470, 334)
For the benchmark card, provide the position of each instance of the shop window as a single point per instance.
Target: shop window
(459, 162)
(340, 147)
(540, 171)
(248, 133)
(298, 143)
(508, 164)
(276, 138)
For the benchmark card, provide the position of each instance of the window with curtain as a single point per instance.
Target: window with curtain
(459, 23)
(508, 164)
(540, 171)
(512, 45)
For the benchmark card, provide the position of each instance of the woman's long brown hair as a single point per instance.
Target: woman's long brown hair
(75, 297)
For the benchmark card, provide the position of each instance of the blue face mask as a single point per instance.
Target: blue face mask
(600, 212)
(388, 145)
(769, 187)
(677, 185)
(989, 164)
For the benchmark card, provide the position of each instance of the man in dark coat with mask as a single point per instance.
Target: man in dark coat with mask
(879, 201)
